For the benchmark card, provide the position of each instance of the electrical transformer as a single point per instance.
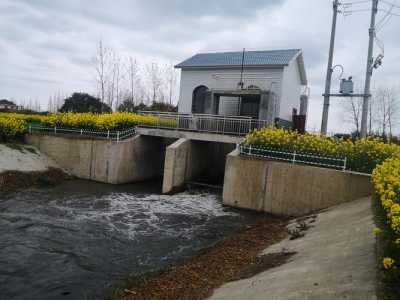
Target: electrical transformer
(347, 86)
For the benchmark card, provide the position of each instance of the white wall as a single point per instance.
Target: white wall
(291, 90)
(225, 79)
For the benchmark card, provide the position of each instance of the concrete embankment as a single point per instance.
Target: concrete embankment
(22, 166)
(334, 260)
(135, 159)
(288, 189)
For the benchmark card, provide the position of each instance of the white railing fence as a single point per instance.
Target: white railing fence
(294, 157)
(115, 135)
(236, 125)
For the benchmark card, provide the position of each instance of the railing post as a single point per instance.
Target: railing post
(108, 134)
(55, 129)
(81, 131)
(344, 163)
(30, 129)
(250, 150)
(294, 157)
(117, 136)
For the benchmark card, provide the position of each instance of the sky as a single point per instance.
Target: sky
(47, 46)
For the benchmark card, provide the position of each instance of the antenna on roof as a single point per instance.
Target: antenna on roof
(241, 83)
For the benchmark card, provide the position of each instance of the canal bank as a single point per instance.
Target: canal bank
(332, 257)
(22, 166)
(335, 259)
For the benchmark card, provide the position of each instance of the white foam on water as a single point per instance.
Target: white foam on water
(132, 214)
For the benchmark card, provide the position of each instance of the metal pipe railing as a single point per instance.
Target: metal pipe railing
(295, 157)
(115, 135)
(232, 125)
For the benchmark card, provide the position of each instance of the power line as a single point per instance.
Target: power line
(356, 2)
(391, 13)
(357, 10)
(390, 4)
(386, 18)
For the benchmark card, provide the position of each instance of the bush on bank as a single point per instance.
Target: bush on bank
(386, 179)
(108, 121)
(11, 128)
(362, 154)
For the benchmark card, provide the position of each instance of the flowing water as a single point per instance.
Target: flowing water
(75, 240)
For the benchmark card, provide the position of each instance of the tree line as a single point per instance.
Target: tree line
(384, 112)
(123, 82)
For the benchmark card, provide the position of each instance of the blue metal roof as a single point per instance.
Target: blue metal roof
(251, 58)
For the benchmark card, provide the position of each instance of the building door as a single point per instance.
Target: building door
(199, 100)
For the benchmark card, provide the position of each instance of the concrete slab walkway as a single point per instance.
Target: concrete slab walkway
(335, 260)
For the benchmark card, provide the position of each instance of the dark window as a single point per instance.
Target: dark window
(250, 106)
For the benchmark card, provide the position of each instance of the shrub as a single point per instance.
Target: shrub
(11, 128)
(386, 179)
(362, 154)
(108, 121)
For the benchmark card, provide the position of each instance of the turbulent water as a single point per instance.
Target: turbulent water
(75, 240)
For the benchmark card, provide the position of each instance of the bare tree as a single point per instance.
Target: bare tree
(135, 83)
(155, 81)
(393, 109)
(112, 76)
(385, 110)
(50, 104)
(356, 109)
(118, 78)
(170, 80)
(101, 63)
(352, 112)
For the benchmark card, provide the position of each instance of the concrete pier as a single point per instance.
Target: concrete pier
(186, 160)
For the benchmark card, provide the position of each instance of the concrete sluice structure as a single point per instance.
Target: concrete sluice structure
(142, 157)
(179, 157)
(188, 160)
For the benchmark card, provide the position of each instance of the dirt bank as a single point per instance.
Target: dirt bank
(197, 277)
(13, 180)
(22, 166)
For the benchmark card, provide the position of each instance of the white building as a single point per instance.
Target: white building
(264, 85)
(8, 105)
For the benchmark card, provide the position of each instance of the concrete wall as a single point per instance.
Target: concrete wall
(288, 189)
(135, 159)
(226, 79)
(188, 160)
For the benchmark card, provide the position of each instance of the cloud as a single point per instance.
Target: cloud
(48, 45)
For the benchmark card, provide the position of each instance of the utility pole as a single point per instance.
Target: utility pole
(325, 112)
(370, 67)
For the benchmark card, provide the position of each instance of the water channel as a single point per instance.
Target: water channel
(77, 239)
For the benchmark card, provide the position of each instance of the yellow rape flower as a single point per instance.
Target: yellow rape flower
(388, 262)
(376, 230)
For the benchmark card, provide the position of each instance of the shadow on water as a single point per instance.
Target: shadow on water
(74, 240)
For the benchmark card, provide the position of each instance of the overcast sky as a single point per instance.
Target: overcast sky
(47, 46)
